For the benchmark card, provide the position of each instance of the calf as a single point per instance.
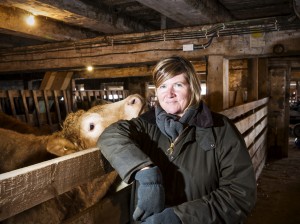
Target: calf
(80, 131)
(11, 123)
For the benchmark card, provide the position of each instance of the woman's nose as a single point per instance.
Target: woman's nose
(171, 91)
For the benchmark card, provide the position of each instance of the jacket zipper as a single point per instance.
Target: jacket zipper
(170, 150)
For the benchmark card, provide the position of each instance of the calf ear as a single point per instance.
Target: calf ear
(60, 146)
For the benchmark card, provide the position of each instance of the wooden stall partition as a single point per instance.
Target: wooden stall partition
(113, 209)
(36, 107)
(24, 188)
(85, 99)
(50, 107)
(251, 120)
(108, 95)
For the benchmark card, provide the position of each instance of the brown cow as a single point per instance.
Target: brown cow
(11, 123)
(80, 131)
(19, 150)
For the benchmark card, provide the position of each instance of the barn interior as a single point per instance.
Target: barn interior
(57, 57)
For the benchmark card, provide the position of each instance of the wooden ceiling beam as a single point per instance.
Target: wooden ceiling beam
(200, 12)
(136, 71)
(8, 41)
(115, 72)
(78, 13)
(12, 21)
(77, 55)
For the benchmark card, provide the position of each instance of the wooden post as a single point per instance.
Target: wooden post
(57, 106)
(37, 107)
(22, 92)
(217, 83)
(252, 84)
(279, 110)
(263, 78)
(12, 103)
(47, 107)
(73, 95)
(66, 102)
(88, 95)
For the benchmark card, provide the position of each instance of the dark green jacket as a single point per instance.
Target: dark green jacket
(209, 178)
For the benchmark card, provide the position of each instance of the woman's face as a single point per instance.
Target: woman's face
(174, 95)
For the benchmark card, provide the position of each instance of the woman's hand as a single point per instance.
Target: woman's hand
(167, 216)
(150, 193)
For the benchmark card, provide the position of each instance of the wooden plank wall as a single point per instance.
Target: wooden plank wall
(250, 119)
(50, 107)
(24, 188)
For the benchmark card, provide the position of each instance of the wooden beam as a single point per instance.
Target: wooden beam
(237, 111)
(129, 72)
(13, 20)
(26, 187)
(116, 73)
(104, 51)
(9, 41)
(47, 81)
(81, 13)
(56, 80)
(204, 12)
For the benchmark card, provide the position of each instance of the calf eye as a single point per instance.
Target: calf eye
(92, 126)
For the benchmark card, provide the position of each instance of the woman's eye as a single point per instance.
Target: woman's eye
(178, 85)
(162, 87)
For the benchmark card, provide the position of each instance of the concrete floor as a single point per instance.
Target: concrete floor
(278, 192)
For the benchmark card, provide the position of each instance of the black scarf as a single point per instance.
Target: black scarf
(172, 125)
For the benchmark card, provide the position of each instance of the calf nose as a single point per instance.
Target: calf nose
(132, 101)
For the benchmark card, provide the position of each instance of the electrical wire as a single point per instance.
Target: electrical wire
(204, 33)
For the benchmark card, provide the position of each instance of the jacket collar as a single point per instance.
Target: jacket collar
(203, 117)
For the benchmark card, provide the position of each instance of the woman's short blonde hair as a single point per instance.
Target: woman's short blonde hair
(168, 68)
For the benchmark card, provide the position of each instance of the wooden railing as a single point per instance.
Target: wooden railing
(50, 107)
(18, 195)
(251, 119)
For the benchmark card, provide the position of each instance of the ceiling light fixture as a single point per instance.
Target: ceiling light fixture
(90, 68)
(30, 20)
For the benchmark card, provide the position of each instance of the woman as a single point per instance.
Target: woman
(191, 164)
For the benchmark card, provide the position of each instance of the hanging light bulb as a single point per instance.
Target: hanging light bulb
(30, 20)
(90, 68)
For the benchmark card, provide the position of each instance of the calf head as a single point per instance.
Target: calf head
(84, 128)
(80, 130)
(126, 109)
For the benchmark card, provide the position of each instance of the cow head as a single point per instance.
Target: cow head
(84, 128)
(126, 109)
